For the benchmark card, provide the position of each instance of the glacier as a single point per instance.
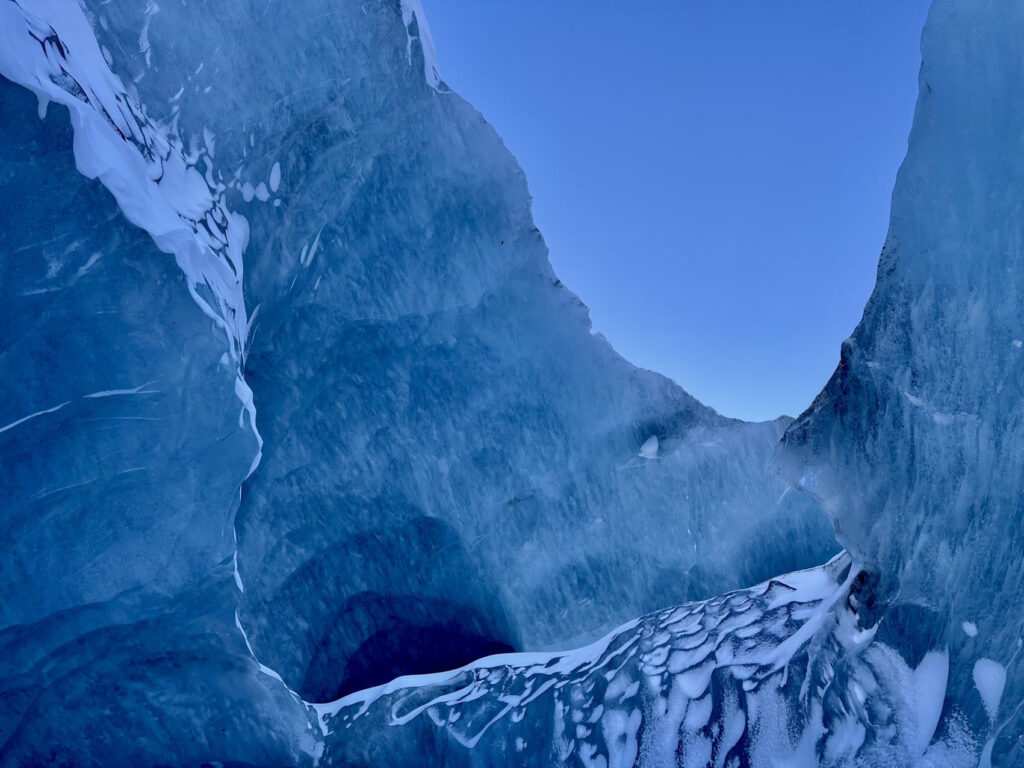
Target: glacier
(790, 672)
(295, 402)
(929, 385)
(298, 419)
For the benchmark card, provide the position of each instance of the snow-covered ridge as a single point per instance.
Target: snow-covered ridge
(49, 47)
(783, 672)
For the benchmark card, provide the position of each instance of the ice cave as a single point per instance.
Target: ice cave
(308, 458)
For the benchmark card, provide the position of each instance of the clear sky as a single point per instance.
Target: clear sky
(712, 176)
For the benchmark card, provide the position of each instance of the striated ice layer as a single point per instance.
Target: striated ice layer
(916, 446)
(790, 672)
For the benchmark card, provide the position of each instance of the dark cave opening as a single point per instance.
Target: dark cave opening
(377, 638)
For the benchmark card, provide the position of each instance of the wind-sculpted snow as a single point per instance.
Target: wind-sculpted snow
(784, 673)
(916, 446)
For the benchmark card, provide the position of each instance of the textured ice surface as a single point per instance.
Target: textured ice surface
(916, 446)
(122, 457)
(452, 463)
(449, 452)
(785, 673)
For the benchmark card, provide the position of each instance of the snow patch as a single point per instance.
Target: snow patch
(23, 419)
(413, 9)
(989, 679)
(649, 450)
(49, 48)
(139, 390)
(930, 679)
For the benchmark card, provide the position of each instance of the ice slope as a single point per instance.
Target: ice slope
(789, 672)
(916, 445)
(234, 195)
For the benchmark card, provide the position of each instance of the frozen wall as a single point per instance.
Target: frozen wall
(442, 462)
(122, 456)
(441, 429)
(452, 464)
(916, 446)
(914, 449)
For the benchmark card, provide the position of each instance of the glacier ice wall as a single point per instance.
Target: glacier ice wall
(916, 445)
(442, 432)
(914, 448)
(417, 364)
(123, 454)
(428, 388)
(448, 452)
(452, 463)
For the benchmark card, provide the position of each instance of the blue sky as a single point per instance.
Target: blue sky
(712, 178)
